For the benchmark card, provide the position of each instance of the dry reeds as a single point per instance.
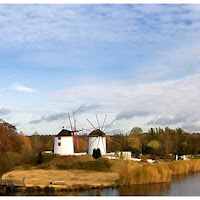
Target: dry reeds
(130, 173)
(142, 174)
(179, 167)
(184, 167)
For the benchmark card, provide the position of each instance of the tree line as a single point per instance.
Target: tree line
(19, 149)
(160, 142)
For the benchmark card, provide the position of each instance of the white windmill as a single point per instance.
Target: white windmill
(64, 141)
(97, 138)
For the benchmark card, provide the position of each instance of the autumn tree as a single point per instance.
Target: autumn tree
(115, 143)
(9, 140)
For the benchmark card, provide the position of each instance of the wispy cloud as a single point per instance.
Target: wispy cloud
(4, 111)
(191, 127)
(86, 108)
(132, 113)
(169, 98)
(21, 88)
(50, 118)
(181, 117)
(63, 116)
(147, 75)
(40, 23)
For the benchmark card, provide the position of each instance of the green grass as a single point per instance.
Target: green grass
(84, 162)
(195, 157)
(94, 165)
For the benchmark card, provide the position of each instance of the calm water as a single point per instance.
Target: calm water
(187, 185)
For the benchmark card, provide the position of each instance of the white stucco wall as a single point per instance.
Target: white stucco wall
(95, 143)
(67, 145)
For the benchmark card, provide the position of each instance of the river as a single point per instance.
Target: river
(184, 185)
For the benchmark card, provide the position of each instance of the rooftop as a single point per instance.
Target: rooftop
(97, 132)
(64, 132)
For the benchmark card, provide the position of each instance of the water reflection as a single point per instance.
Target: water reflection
(135, 190)
(145, 190)
(187, 185)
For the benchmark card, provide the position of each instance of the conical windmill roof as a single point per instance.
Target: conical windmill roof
(96, 133)
(64, 132)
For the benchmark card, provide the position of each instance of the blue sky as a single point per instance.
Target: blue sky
(139, 64)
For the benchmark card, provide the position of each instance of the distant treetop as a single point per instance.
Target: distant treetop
(136, 130)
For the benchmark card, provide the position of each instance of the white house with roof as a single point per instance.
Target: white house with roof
(64, 143)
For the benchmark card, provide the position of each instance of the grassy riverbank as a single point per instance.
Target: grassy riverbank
(72, 178)
(76, 172)
(85, 172)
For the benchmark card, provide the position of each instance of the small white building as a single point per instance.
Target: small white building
(64, 143)
(97, 140)
(125, 155)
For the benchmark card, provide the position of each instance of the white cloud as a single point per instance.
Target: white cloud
(191, 127)
(21, 88)
(28, 23)
(4, 111)
(170, 103)
(173, 102)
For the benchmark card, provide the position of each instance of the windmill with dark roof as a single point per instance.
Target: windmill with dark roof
(97, 139)
(64, 141)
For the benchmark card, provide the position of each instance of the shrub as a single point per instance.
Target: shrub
(44, 166)
(96, 165)
(40, 159)
(48, 157)
(8, 161)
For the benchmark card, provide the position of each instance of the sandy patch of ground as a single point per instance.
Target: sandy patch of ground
(39, 177)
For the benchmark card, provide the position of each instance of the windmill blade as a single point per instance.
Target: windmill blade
(75, 138)
(103, 145)
(75, 131)
(79, 130)
(109, 144)
(116, 139)
(78, 120)
(91, 124)
(113, 147)
(86, 129)
(109, 125)
(113, 131)
(98, 142)
(77, 142)
(93, 141)
(103, 122)
(81, 133)
(97, 121)
(70, 122)
(74, 122)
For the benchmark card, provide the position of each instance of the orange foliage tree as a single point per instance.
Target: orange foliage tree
(9, 138)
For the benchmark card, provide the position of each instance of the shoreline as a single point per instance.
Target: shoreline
(51, 188)
(78, 180)
(57, 188)
(39, 180)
